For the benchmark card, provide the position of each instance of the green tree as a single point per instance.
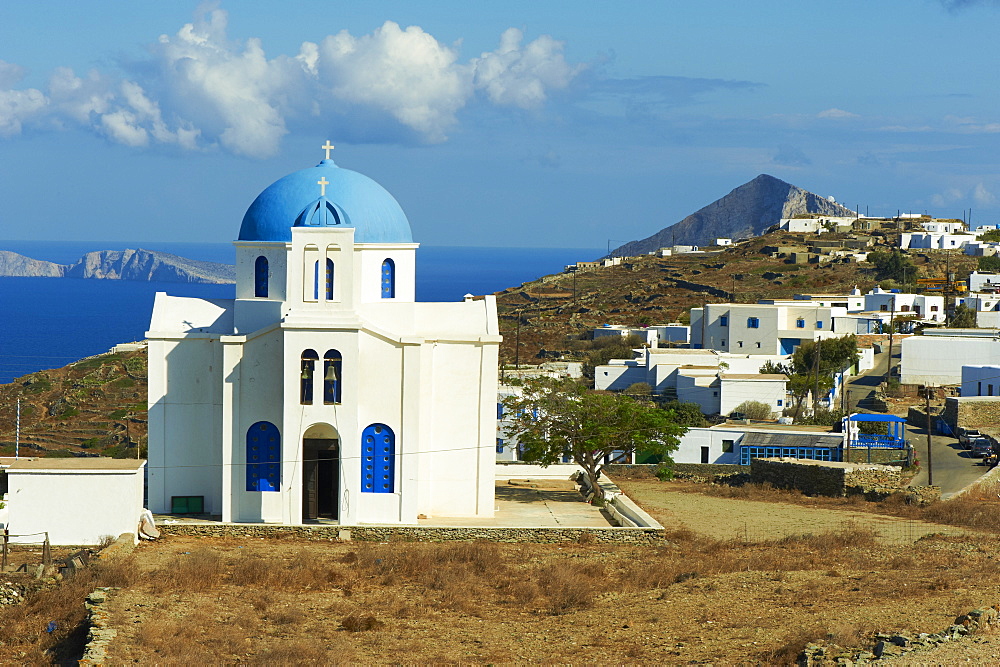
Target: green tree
(686, 414)
(992, 236)
(964, 317)
(893, 265)
(989, 264)
(834, 354)
(606, 348)
(553, 418)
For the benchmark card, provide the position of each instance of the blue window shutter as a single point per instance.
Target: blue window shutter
(263, 457)
(329, 280)
(388, 279)
(378, 459)
(260, 271)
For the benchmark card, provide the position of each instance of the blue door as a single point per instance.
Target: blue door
(788, 345)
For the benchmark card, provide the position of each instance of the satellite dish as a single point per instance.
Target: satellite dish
(832, 198)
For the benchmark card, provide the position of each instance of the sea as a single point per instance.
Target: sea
(50, 322)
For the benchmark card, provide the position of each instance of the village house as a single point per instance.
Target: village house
(323, 391)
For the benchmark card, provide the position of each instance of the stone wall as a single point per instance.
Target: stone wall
(889, 646)
(971, 411)
(681, 470)
(823, 478)
(893, 457)
(610, 535)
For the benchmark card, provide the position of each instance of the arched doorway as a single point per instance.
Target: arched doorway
(320, 473)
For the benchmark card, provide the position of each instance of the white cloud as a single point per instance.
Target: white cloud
(836, 113)
(521, 77)
(983, 196)
(198, 90)
(406, 73)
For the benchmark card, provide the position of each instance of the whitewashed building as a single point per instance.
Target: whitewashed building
(738, 444)
(323, 391)
(937, 357)
(982, 282)
(980, 380)
(75, 501)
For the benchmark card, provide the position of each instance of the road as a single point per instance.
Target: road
(953, 468)
(861, 388)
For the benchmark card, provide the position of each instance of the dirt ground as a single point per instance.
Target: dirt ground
(692, 599)
(705, 595)
(756, 521)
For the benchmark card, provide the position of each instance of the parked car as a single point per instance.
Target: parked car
(967, 435)
(981, 448)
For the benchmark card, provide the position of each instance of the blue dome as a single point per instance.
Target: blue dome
(351, 200)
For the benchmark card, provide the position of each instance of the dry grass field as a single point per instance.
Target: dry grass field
(693, 598)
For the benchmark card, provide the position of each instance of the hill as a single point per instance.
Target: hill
(745, 212)
(144, 265)
(95, 406)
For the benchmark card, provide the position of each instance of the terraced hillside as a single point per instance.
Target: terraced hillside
(548, 316)
(96, 406)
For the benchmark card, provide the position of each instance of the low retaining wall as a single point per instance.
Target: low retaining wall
(100, 634)
(822, 477)
(889, 646)
(647, 470)
(610, 535)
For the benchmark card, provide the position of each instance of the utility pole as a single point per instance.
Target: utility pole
(517, 344)
(927, 409)
(819, 347)
(892, 326)
(17, 432)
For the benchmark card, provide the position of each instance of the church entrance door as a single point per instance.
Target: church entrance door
(320, 479)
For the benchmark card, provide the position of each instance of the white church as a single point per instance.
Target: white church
(323, 391)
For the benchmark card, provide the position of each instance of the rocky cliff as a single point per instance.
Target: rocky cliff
(746, 211)
(147, 265)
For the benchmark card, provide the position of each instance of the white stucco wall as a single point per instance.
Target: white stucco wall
(938, 360)
(716, 440)
(981, 380)
(75, 507)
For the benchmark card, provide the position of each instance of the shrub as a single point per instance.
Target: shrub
(754, 410)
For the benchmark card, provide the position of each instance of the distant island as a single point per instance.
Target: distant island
(143, 265)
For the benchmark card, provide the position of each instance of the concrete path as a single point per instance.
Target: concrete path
(861, 388)
(550, 503)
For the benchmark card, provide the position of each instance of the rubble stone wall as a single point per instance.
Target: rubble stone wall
(611, 535)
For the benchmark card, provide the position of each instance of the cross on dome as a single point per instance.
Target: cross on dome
(322, 183)
(327, 147)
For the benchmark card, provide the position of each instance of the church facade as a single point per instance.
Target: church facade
(323, 391)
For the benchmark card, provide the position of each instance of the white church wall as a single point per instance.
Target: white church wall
(185, 411)
(458, 443)
(370, 270)
(246, 263)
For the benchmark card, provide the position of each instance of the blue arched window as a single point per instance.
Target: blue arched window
(378, 459)
(388, 279)
(329, 280)
(332, 368)
(309, 358)
(263, 457)
(260, 277)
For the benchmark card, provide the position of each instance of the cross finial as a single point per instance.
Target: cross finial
(322, 183)
(327, 147)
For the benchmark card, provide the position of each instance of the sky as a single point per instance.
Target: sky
(516, 124)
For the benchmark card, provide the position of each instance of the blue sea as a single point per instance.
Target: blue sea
(49, 322)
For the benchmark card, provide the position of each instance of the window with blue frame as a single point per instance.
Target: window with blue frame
(819, 324)
(753, 323)
(260, 271)
(499, 445)
(499, 410)
(328, 288)
(388, 279)
(308, 370)
(263, 457)
(800, 323)
(378, 459)
(332, 367)
(723, 320)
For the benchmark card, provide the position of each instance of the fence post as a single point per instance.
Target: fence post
(46, 552)
(3, 558)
